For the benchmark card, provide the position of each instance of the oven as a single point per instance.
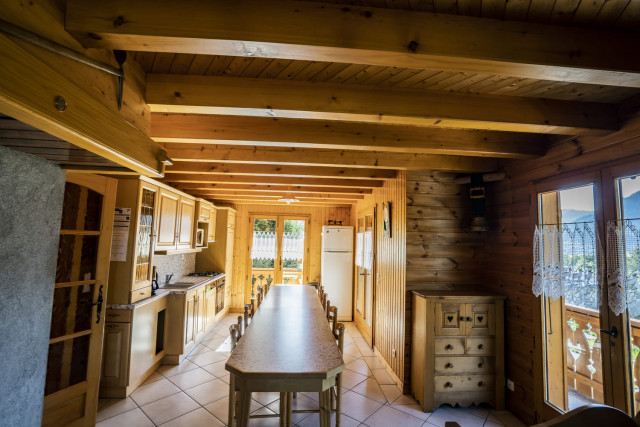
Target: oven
(220, 283)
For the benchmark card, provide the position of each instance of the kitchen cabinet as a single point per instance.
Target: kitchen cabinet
(186, 224)
(134, 346)
(210, 304)
(457, 350)
(189, 321)
(206, 221)
(130, 279)
(200, 315)
(168, 211)
(218, 256)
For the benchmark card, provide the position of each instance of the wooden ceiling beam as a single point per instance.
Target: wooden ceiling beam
(361, 35)
(336, 204)
(276, 132)
(328, 158)
(273, 199)
(221, 188)
(272, 180)
(169, 93)
(284, 192)
(215, 168)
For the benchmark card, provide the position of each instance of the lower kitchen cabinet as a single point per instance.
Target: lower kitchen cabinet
(457, 349)
(133, 348)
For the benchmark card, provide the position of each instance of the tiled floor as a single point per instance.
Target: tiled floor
(195, 393)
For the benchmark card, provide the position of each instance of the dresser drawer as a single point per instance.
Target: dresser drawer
(140, 294)
(117, 315)
(445, 365)
(481, 346)
(449, 345)
(448, 383)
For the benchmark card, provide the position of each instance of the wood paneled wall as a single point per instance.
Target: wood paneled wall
(509, 244)
(241, 271)
(441, 252)
(389, 326)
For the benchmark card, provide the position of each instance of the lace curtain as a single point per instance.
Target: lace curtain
(360, 249)
(368, 250)
(623, 266)
(264, 246)
(568, 261)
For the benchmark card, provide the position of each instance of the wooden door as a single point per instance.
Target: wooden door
(480, 319)
(77, 320)
(263, 253)
(450, 319)
(185, 224)
(168, 209)
(293, 249)
(189, 319)
(365, 288)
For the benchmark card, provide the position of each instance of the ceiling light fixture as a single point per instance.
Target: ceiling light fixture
(288, 198)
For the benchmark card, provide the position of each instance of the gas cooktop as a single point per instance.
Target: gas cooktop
(206, 274)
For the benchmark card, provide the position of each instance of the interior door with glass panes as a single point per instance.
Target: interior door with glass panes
(263, 253)
(77, 320)
(365, 273)
(293, 256)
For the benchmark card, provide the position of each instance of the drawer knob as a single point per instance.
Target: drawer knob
(448, 347)
(469, 319)
(462, 318)
(480, 346)
(480, 365)
(480, 384)
(448, 385)
(448, 366)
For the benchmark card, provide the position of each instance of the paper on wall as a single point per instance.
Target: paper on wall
(121, 220)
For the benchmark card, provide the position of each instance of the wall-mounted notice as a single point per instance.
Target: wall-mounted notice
(120, 238)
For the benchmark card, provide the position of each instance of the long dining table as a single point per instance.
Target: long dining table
(288, 347)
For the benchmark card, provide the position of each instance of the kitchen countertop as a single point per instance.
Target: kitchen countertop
(166, 290)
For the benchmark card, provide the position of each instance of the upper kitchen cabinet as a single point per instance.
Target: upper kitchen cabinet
(185, 226)
(137, 203)
(176, 221)
(205, 230)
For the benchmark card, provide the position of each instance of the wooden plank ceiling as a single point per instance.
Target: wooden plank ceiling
(327, 99)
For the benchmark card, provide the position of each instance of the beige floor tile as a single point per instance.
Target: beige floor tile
(388, 416)
(133, 418)
(209, 392)
(366, 351)
(171, 407)
(312, 396)
(351, 379)
(373, 362)
(391, 391)
(360, 367)
(204, 359)
(199, 349)
(220, 408)
(313, 420)
(414, 410)
(352, 350)
(265, 397)
(491, 423)
(217, 369)
(370, 389)
(171, 370)
(446, 413)
(155, 391)
(478, 411)
(192, 378)
(115, 407)
(406, 399)
(358, 407)
(382, 376)
(300, 403)
(156, 376)
(508, 419)
(198, 418)
(491, 417)
(349, 358)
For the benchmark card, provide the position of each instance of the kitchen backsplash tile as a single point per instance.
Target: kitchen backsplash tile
(178, 265)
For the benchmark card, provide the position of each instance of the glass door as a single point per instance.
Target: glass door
(293, 251)
(263, 253)
(365, 270)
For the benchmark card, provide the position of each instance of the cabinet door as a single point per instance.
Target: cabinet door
(189, 320)
(168, 210)
(450, 319)
(185, 226)
(145, 236)
(204, 213)
(200, 315)
(480, 319)
(115, 361)
(210, 305)
(212, 226)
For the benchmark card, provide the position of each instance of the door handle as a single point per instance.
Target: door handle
(613, 332)
(98, 304)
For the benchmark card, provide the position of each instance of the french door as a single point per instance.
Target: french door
(365, 273)
(77, 320)
(590, 351)
(278, 251)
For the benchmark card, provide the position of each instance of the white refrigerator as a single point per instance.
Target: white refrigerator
(337, 268)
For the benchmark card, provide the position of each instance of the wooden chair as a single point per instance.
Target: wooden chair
(247, 315)
(233, 332)
(239, 326)
(593, 416)
(332, 317)
(259, 299)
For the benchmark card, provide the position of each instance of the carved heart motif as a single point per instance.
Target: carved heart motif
(450, 318)
(480, 318)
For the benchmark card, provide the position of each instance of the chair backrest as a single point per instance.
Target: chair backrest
(339, 327)
(247, 316)
(591, 416)
(332, 317)
(253, 309)
(233, 332)
(259, 299)
(239, 326)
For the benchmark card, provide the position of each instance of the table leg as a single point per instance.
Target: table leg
(338, 399)
(289, 409)
(325, 410)
(232, 399)
(283, 409)
(245, 404)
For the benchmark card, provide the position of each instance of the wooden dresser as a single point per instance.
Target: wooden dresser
(457, 351)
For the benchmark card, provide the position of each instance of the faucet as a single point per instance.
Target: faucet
(168, 279)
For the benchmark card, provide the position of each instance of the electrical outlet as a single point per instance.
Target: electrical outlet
(510, 385)
(393, 352)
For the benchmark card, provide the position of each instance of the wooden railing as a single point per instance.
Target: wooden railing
(585, 373)
(290, 276)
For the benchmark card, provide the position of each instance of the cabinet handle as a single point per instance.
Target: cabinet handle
(462, 318)
(448, 347)
(480, 384)
(112, 326)
(448, 366)
(480, 346)
(448, 385)
(480, 365)
(141, 293)
(469, 319)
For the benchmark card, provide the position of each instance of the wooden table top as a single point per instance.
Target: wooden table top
(288, 336)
